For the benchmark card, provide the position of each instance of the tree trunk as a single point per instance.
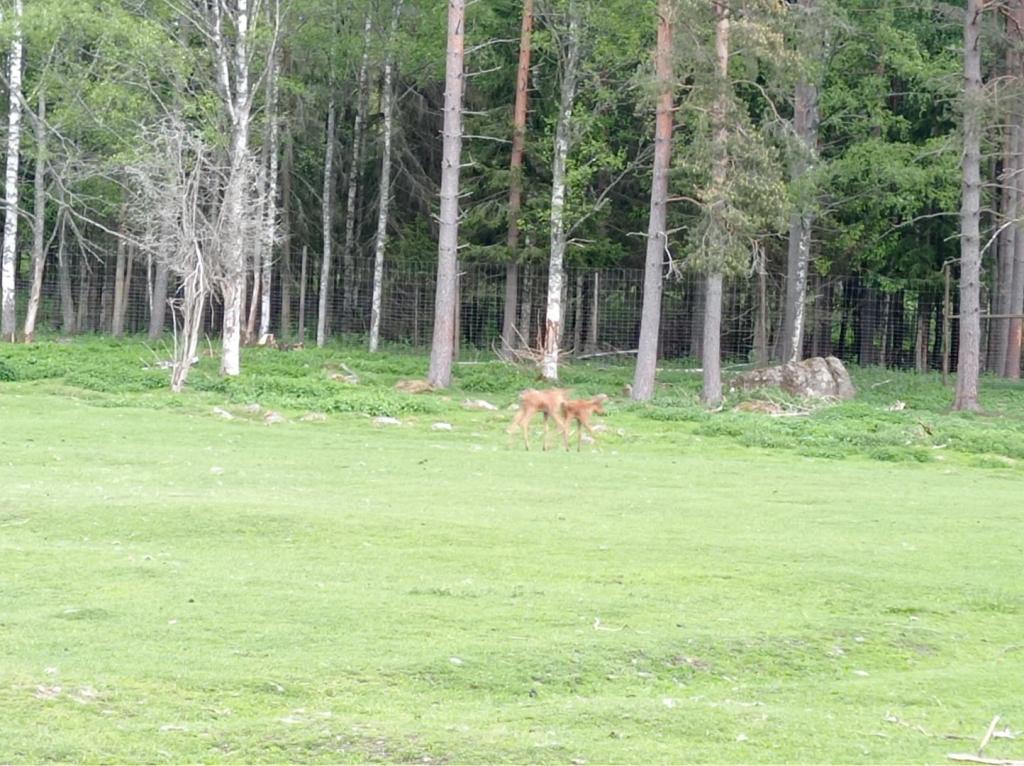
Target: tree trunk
(657, 237)
(254, 299)
(968, 359)
(270, 215)
(239, 106)
(158, 302)
(805, 125)
(82, 319)
(924, 318)
(553, 317)
(526, 308)
(577, 320)
(515, 192)
(441, 348)
(761, 320)
(8, 318)
(285, 316)
(595, 315)
(120, 272)
(303, 277)
(711, 359)
(385, 185)
(327, 221)
(39, 224)
(67, 301)
(1015, 304)
(358, 130)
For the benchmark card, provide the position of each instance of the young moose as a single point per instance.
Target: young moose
(580, 410)
(550, 402)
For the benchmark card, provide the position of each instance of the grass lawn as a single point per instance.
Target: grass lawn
(731, 588)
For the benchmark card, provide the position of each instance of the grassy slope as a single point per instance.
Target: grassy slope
(217, 590)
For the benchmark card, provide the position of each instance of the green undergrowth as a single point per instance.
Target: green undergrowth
(896, 417)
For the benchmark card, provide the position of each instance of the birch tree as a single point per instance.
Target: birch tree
(269, 237)
(39, 222)
(443, 341)
(657, 234)
(969, 356)
(569, 70)
(380, 240)
(11, 210)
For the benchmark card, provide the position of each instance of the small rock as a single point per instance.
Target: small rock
(48, 692)
(223, 413)
(668, 702)
(314, 417)
(441, 427)
(274, 417)
(341, 377)
(385, 420)
(862, 673)
(413, 386)
(478, 404)
(216, 470)
(454, 660)
(897, 406)
(741, 738)
(252, 408)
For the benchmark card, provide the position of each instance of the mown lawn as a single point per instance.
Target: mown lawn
(730, 588)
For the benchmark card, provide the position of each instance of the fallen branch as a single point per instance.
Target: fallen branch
(968, 758)
(596, 354)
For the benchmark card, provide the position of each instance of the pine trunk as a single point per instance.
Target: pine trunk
(441, 349)
(515, 192)
(158, 302)
(303, 277)
(348, 268)
(711, 359)
(67, 301)
(380, 241)
(657, 236)
(1015, 304)
(968, 359)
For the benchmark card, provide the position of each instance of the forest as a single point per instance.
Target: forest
(747, 180)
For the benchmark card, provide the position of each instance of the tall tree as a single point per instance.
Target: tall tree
(380, 240)
(570, 59)
(327, 219)
(443, 341)
(11, 188)
(711, 362)
(969, 357)
(515, 188)
(805, 129)
(657, 234)
(1014, 305)
(39, 224)
(269, 229)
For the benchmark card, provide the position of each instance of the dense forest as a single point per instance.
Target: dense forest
(728, 178)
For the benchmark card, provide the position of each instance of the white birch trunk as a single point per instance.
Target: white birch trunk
(553, 316)
(120, 272)
(270, 216)
(328, 225)
(39, 225)
(442, 343)
(8, 318)
(385, 187)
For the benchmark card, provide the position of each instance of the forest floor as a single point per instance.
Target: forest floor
(188, 584)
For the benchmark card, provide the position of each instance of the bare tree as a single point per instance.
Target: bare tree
(11, 210)
(380, 242)
(443, 341)
(515, 189)
(657, 236)
(567, 95)
(969, 358)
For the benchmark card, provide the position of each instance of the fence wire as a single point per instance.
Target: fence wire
(898, 324)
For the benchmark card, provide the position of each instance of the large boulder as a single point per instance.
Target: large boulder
(815, 378)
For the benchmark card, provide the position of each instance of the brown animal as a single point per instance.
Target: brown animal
(550, 402)
(580, 410)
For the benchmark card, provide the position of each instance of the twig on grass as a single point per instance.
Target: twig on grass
(968, 758)
(988, 735)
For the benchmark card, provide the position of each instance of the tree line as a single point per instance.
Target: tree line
(250, 152)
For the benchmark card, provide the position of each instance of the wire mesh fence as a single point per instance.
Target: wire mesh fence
(859, 319)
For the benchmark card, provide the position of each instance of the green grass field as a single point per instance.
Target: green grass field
(730, 588)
